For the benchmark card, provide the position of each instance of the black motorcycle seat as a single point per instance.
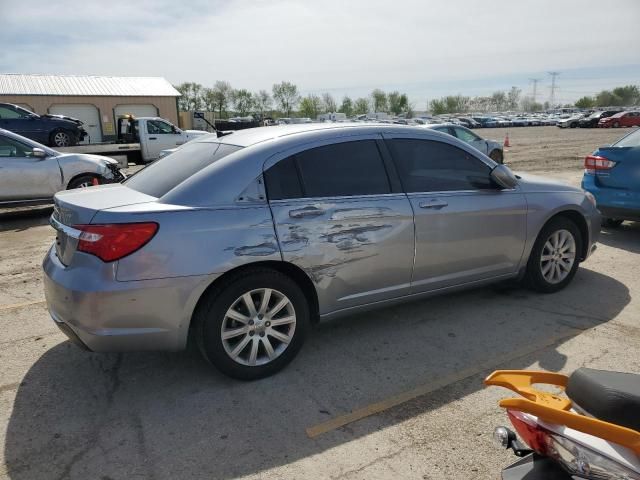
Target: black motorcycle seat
(610, 396)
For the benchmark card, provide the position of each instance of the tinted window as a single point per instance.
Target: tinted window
(6, 112)
(429, 166)
(342, 169)
(13, 148)
(282, 180)
(168, 172)
(158, 127)
(631, 140)
(465, 135)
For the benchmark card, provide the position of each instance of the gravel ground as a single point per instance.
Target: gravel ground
(413, 372)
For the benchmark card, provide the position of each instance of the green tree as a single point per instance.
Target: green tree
(347, 106)
(379, 100)
(286, 96)
(329, 104)
(221, 96)
(190, 96)
(242, 101)
(449, 104)
(398, 103)
(585, 102)
(438, 106)
(629, 94)
(310, 106)
(361, 106)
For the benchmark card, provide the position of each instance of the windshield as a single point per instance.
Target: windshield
(631, 140)
(168, 172)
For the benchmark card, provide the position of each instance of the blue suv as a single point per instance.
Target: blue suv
(52, 130)
(612, 175)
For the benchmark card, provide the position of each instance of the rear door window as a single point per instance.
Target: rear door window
(338, 170)
(168, 172)
(431, 166)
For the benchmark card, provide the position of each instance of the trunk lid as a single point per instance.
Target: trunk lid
(79, 207)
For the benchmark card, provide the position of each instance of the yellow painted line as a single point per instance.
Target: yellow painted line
(21, 305)
(394, 401)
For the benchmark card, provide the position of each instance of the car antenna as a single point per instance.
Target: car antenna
(219, 133)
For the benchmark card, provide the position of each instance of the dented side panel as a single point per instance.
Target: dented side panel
(200, 242)
(356, 250)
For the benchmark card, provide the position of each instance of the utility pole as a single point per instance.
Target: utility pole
(553, 87)
(535, 88)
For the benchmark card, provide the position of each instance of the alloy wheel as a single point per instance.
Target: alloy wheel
(61, 139)
(258, 327)
(558, 256)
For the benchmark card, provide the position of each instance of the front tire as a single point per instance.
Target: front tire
(61, 138)
(555, 256)
(83, 181)
(253, 325)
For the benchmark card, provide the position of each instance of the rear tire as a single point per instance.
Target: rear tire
(616, 125)
(611, 222)
(497, 156)
(224, 310)
(555, 256)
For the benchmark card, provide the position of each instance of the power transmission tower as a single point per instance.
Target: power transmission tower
(553, 87)
(535, 87)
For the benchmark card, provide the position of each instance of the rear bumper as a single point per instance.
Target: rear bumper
(103, 315)
(613, 202)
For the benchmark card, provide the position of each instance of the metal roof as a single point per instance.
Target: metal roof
(85, 85)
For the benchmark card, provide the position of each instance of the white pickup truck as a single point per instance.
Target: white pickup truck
(140, 140)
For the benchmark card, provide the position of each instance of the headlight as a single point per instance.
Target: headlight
(591, 198)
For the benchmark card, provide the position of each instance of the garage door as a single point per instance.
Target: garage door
(136, 110)
(87, 114)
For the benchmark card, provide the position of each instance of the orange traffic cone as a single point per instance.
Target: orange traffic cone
(506, 140)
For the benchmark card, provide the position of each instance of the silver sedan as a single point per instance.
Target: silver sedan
(261, 233)
(31, 173)
(494, 150)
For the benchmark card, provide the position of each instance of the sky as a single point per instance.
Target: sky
(425, 48)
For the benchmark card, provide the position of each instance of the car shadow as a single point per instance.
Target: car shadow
(625, 237)
(20, 219)
(162, 415)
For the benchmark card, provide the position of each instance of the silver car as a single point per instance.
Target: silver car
(264, 232)
(31, 173)
(491, 148)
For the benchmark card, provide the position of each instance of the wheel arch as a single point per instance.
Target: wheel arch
(578, 219)
(82, 174)
(292, 271)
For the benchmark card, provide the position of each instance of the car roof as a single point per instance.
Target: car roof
(253, 136)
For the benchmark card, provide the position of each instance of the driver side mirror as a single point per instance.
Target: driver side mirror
(504, 177)
(38, 153)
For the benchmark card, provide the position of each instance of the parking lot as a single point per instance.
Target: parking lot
(393, 393)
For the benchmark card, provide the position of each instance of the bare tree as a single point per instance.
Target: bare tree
(513, 98)
(263, 102)
(287, 97)
(329, 105)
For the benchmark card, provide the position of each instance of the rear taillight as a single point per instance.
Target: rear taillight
(595, 163)
(575, 457)
(111, 242)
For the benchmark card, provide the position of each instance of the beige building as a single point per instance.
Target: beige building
(96, 101)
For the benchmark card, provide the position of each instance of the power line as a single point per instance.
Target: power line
(553, 87)
(535, 87)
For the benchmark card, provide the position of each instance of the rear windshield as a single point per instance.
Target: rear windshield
(165, 174)
(631, 140)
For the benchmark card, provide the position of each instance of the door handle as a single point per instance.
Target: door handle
(153, 138)
(433, 204)
(306, 212)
